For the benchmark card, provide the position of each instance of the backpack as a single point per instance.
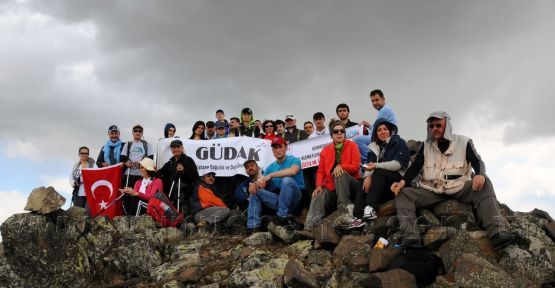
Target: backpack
(420, 262)
(162, 210)
(144, 146)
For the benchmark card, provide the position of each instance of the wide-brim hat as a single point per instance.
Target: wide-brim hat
(148, 164)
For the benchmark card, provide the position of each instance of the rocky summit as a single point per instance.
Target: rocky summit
(65, 248)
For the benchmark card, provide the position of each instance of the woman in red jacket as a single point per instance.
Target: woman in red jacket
(147, 186)
(338, 172)
(269, 128)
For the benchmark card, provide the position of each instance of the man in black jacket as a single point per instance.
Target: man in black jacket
(179, 170)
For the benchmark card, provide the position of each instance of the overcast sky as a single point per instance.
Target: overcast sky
(69, 69)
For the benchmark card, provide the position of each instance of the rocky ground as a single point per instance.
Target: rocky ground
(66, 249)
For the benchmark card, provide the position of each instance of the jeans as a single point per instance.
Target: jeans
(362, 142)
(288, 198)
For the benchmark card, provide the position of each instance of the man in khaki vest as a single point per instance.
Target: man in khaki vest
(446, 161)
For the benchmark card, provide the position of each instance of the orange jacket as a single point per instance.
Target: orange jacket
(350, 162)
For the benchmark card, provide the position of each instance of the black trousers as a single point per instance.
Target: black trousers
(129, 202)
(379, 191)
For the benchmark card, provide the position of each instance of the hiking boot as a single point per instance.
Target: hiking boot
(251, 231)
(504, 239)
(280, 221)
(202, 224)
(369, 213)
(288, 236)
(356, 223)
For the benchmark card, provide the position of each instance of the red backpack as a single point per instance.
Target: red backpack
(162, 210)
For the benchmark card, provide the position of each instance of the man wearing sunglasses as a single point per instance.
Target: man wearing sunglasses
(133, 152)
(337, 176)
(449, 160)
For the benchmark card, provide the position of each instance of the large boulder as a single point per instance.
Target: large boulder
(396, 278)
(535, 260)
(353, 252)
(454, 213)
(296, 273)
(456, 246)
(44, 200)
(471, 270)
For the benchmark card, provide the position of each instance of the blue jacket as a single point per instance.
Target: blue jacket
(396, 149)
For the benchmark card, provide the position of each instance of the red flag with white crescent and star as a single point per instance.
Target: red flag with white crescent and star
(102, 189)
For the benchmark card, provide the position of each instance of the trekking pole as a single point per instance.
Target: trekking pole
(178, 192)
(127, 180)
(171, 189)
(108, 206)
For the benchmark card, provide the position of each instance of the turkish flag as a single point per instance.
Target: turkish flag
(102, 189)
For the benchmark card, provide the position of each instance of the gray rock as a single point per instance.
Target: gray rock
(442, 282)
(428, 218)
(437, 236)
(346, 278)
(353, 252)
(296, 273)
(536, 261)
(259, 269)
(456, 246)
(453, 213)
(541, 214)
(287, 235)
(44, 200)
(470, 270)
(396, 278)
(259, 238)
(300, 248)
(8, 277)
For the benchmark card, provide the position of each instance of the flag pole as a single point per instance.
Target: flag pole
(109, 204)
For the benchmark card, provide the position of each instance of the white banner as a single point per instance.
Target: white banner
(226, 156)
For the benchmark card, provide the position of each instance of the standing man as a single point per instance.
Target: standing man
(384, 111)
(180, 166)
(320, 123)
(449, 159)
(278, 189)
(133, 152)
(110, 153)
(293, 134)
(247, 127)
(280, 128)
(337, 176)
(233, 127)
(210, 130)
(342, 110)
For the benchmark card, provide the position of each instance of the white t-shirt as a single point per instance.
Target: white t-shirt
(136, 154)
(315, 133)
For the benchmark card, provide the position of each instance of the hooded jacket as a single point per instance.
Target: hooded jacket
(394, 149)
(445, 165)
(167, 128)
(251, 130)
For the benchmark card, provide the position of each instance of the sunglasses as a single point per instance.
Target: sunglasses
(337, 131)
(432, 126)
(137, 131)
(83, 153)
(210, 176)
(269, 126)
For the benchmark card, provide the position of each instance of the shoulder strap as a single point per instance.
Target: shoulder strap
(129, 148)
(145, 147)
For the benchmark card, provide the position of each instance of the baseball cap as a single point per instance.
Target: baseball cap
(209, 172)
(219, 111)
(246, 111)
(278, 141)
(289, 116)
(137, 126)
(113, 128)
(220, 124)
(176, 142)
(210, 124)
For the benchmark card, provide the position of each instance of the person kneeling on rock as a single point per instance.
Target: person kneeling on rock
(207, 207)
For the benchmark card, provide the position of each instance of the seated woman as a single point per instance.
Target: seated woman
(146, 187)
(198, 131)
(79, 198)
(388, 158)
(207, 207)
(269, 128)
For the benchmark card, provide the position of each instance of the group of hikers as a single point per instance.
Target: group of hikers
(356, 174)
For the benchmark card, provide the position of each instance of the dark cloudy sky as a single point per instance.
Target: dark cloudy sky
(69, 69)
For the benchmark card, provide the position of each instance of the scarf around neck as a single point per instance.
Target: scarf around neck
(338, 150)
(117, 151)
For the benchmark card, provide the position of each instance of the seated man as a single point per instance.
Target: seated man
(446, 161)
(206, 205)
(338, 171)
(279, 188)
(242, 191)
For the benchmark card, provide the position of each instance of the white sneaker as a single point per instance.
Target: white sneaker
(369, 213)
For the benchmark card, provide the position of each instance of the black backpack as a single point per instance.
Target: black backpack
(420, 262)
